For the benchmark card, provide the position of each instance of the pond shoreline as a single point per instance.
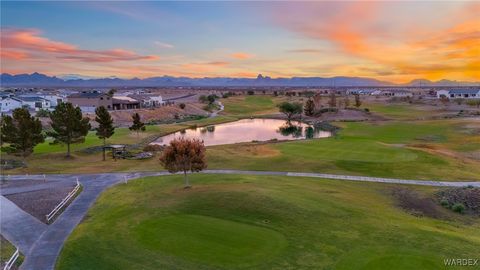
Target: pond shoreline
(249, 130)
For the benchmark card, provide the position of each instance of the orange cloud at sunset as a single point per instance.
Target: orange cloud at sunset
(27, 43)
(432, 52)
(241, 55)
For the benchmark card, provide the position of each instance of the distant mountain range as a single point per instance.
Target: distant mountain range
(73, 80)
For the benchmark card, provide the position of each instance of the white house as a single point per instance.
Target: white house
(36, 103)
(459, 93)
(9, 104)
(54, 99)
(396, 93)
(149, 101)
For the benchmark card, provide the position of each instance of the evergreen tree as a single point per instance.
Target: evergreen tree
(68, 124)
(137, 125)
(309, 107)
(105, 125)
(22, 131)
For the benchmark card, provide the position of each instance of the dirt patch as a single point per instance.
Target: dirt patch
(39, 203)
(261, 151)
(435, 150)
(415, 204)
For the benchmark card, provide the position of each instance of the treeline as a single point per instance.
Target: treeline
(22, 131)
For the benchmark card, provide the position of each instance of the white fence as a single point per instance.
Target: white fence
(12, 260)
(63, 202)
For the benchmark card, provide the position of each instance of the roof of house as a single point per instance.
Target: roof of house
(124, 99)
(30, 99)
(463, 91)
(87, 95)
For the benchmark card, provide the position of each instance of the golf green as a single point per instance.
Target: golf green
(262, 222)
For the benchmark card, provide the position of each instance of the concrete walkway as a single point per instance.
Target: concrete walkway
(19, 227)
(42, 244)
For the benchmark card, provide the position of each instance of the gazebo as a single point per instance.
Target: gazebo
(117, 150)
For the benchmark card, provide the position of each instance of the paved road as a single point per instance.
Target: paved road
(44, 248)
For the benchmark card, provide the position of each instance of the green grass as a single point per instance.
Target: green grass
(432, 150)
(250, 105)
(402, 111)
(392, 149)
(239, 243)
(262, 222)
(6, 252)
(125, 136)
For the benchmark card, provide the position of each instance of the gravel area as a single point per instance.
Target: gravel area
(39, 203)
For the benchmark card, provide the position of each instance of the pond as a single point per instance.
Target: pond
(248, 130)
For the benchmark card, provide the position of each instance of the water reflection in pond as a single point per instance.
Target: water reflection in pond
(247, 130)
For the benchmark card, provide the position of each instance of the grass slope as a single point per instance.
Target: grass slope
(260, 222)
(250, 105)
(393, 149)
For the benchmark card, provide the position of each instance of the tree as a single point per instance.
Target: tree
(183, 155)
(332, 102)
(111, 92)
(211, 98)
(68, 125)
(309, 107)
(22, 131)
(358, 102)
(137, 125)
(290, 109)
(182, 106)
(105, 125)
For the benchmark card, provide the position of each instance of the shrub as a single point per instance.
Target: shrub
(459, 208)
(251, 92)
(445, 203)
(182, 106)
(366, 110)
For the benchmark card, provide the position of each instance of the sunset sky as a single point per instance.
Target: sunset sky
(392, 41)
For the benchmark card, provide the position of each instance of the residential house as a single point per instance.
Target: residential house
(459, 93)
(89, 101)
(8, 104)
(148, 101)
(396, 93)
(34, 102)
(124, 103)
(54, 99)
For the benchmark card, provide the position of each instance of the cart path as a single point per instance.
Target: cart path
(42, 253)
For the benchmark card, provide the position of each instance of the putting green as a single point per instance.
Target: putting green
(201, 239)
(262, 222)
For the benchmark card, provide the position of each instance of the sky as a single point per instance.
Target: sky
(390, 41)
